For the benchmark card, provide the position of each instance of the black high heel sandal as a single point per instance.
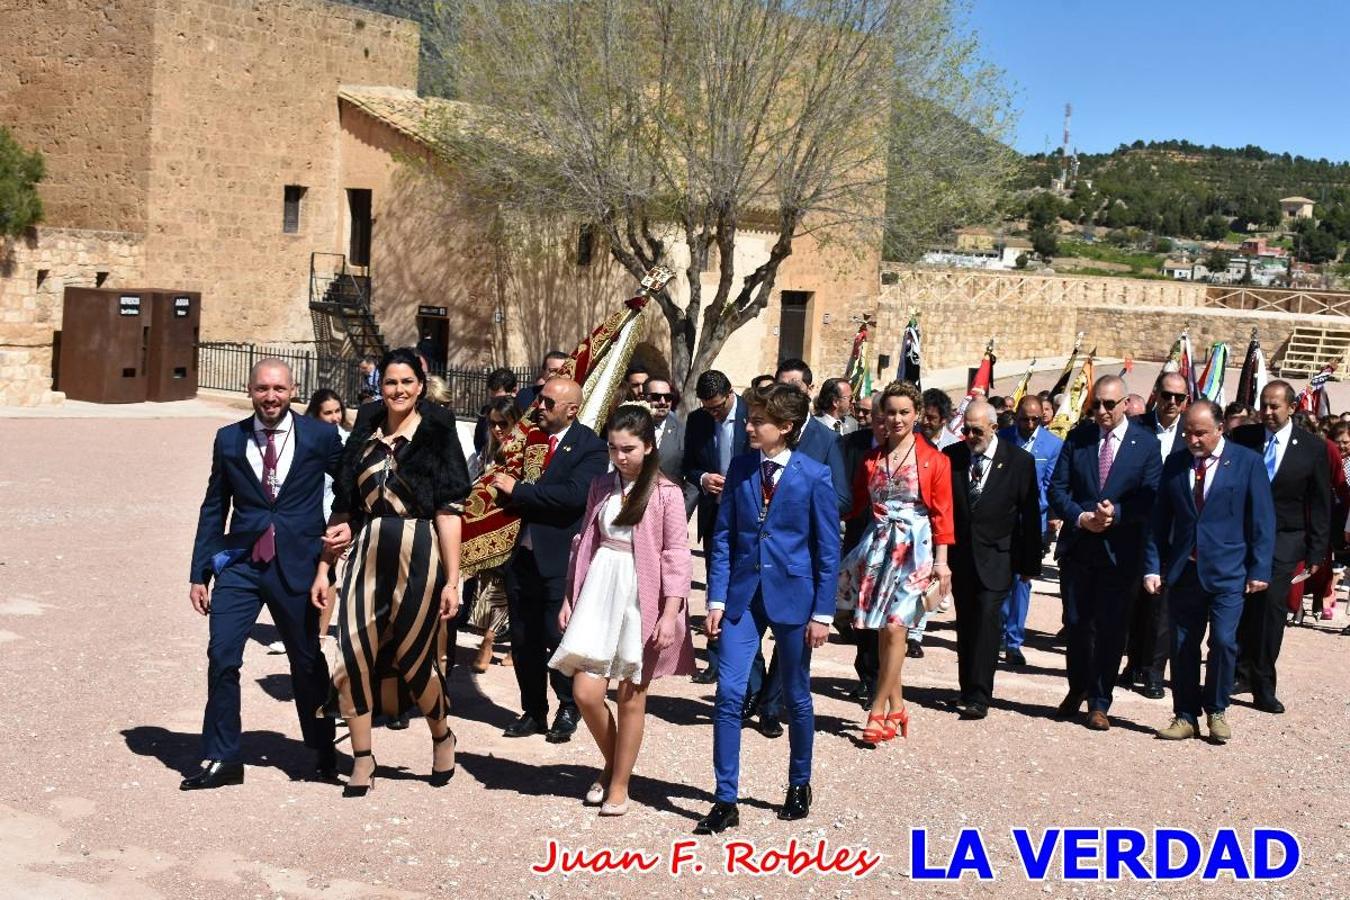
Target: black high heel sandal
(360, 790)
(439, 778)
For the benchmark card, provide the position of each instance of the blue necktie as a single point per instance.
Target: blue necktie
(1270, 456)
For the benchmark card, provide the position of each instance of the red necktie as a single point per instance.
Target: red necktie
(1198, 492)
(552, 446)
(265, 549)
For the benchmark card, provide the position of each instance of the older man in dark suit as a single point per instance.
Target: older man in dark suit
(1295, 462)
(997, 506)
(550, 510)
(1103, 488)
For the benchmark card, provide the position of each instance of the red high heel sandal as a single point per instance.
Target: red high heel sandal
(902, 718)
(875, 736)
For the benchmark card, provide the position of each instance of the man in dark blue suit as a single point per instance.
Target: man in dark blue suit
(1044, 446)
(550, 510)
(267, 480)
(774, 565)
(1103, 488)
(1212, 541)
(714, 434)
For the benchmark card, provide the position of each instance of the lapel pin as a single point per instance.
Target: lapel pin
(1227, 462)
(567, 449)
(998, 465)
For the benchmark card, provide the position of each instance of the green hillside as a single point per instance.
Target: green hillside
(1181, 189)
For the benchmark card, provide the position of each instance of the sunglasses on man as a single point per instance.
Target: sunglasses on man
(658, 397)
(1175, 398)
(973, 431)
(1107, 405)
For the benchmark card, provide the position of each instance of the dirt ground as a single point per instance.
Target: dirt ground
(103, 666)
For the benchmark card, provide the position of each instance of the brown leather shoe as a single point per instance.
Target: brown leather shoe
(1069, 707)
(1098, 721)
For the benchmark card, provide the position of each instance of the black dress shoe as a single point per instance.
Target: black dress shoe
(1015, 658)
(564, 726)
(1070, 705)
(1240, 686)
(1128, 678)
(325, 767)
(705, 677)
(957, 703)
(722, 817)
(397, 723)
(1269, 705)
(214, 774)
(748, 711)
(914, 650)
(524, 726)
(770, 727)
(1153, 691)
(797, 803)
(974, 711)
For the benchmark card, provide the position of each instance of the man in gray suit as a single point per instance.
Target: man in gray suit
(670, 437)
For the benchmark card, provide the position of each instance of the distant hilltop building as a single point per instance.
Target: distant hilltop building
(1296, 207)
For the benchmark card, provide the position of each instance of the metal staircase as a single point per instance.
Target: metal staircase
(339, 297)
(1311, 347)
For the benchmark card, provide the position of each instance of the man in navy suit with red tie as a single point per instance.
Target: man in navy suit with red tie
(1103, 488)
(267, 479)
(1212, 540)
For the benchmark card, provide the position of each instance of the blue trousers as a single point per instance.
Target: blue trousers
(1097, 604)
(740, 641)
(1015, 607)
(240, 593)
(1191, 608)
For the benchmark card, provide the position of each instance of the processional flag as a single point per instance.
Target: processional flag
(979, 389)
(1313, 398)
(1022, 385)
(859, 371)
(489, 532)
(909, 365)
(1254, 377)
(1076, 398)
(1210, 384)
(1063, 381)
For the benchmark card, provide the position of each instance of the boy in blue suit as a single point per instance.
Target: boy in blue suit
(1212, 541)
(774, 565)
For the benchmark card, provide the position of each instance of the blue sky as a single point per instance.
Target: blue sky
(1228, 73)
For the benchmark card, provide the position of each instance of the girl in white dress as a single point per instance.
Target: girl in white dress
(625, 617)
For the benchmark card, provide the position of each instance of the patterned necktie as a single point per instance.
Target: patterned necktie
(1270, 455)
(766, 472)
(1105, 458)
(1201, 466)
(976, 476)
(265, 548)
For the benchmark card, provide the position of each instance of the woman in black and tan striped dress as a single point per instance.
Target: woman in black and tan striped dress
(403, 482)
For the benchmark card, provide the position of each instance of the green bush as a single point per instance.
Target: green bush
(20, 172)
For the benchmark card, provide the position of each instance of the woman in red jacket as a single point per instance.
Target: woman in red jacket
(906, 486)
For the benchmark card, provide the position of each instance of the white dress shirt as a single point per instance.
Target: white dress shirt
(1118, 437)
(726, 437)
(284, 439)
(1167, 436)
(1284, 435)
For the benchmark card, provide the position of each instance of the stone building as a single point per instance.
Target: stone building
(253, 151)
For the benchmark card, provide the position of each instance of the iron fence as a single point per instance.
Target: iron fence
(226, 366)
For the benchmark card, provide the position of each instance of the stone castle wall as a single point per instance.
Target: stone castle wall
(245, 104)
(34, 273)
(75, 83)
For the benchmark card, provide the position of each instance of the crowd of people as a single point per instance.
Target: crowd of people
(815, 508)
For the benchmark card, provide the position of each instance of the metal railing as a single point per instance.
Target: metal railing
(1299, 302)
(226, 366)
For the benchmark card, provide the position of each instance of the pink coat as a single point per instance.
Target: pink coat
(661, 554)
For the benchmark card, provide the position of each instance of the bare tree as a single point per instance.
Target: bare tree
(669, 121)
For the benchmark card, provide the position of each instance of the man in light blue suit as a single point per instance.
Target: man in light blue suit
(774, 565)
(1044, 446)
(1103, 488)
(1212, 541)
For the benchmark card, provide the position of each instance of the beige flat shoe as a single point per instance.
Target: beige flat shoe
(595, 796)
(613, 809)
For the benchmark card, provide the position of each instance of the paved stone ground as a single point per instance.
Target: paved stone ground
(103, 666)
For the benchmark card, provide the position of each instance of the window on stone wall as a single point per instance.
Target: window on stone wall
(585, 245)
(42, 277)
(290, 213)
(99, 278)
